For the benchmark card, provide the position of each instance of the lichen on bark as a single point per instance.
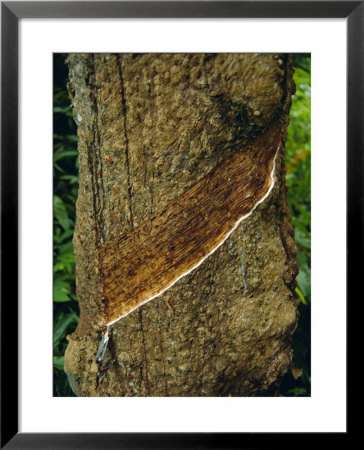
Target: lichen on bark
(149, 126)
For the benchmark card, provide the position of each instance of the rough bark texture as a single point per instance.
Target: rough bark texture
(150, 126)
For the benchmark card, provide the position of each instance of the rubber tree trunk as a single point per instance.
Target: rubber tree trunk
(149, 126)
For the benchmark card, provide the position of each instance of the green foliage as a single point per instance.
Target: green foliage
(65, 185)
(298, 161)
(65, 164)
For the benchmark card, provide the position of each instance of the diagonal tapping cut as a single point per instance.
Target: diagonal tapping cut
(141, 264)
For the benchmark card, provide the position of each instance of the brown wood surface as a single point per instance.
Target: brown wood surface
(140, 264)
(152, 126)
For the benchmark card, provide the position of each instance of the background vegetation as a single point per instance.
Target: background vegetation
(296, 382)
(65, 186)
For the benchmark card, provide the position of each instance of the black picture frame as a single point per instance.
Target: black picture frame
(11, 12)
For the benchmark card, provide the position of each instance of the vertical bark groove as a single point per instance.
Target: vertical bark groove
(124, 115)
(95, 160)
(145, 374)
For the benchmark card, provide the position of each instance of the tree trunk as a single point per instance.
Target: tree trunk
(150, 126)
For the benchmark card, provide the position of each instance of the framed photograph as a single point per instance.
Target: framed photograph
(162, 66)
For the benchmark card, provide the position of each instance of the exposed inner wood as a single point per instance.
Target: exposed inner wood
(141, 264)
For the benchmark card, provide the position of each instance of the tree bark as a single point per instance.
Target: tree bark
(149, 127)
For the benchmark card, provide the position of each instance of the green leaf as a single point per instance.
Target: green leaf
(61, 324)
(59, 237)
(303, 283)
(60, 212)
(65, 250)
(72, 138)
(303, 261)
(67, 259)
(62, 110)
(58, 267)
(61, 291)
(58, 362)
(71, 178)
(300, 296)
(59, 296)
(302, 240)
(61, 154)
(58, 167)
(298, 392)
(302, 61)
